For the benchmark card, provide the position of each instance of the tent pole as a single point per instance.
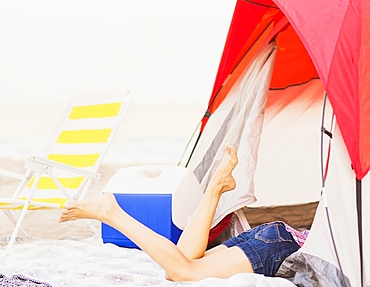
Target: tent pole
(359, 224)
(323, 174)
(207, 115)
(192, 151)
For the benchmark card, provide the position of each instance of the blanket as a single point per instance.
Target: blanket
(89, 262)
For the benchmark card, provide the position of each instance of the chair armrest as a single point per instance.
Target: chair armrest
(39, 164)
(12, 174)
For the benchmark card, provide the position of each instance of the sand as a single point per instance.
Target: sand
(50, 228)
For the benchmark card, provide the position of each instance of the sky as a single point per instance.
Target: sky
(164, 51)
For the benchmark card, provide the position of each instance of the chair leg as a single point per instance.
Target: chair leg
(22, 184)
(84, 189)
(92, 226)
(23, 213)
(17, 227)
(10, 214)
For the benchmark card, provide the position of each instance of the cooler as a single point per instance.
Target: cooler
(161, 197)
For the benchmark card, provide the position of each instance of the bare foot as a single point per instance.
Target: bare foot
(98, 208)
(222, 180)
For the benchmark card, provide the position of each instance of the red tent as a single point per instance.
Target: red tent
(332, 35)
(325, 40)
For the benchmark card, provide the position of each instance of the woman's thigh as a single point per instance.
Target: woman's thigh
(220, 262)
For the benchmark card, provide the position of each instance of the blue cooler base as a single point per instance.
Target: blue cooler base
(152, 210)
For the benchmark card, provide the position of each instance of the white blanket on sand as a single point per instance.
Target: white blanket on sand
(91, 263)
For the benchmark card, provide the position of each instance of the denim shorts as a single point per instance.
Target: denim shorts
(266, 246)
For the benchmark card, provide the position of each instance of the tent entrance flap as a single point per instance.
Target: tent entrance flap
(237, 121)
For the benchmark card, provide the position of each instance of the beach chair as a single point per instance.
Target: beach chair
(69, 160)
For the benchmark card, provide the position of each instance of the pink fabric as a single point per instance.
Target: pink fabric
(299, 236)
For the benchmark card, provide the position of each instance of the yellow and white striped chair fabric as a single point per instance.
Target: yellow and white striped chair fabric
(71, 155)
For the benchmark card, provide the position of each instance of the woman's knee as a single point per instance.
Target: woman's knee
(179, 273)
(187, 272)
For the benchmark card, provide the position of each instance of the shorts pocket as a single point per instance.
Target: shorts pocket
(274, 232)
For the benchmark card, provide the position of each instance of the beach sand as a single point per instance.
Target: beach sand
(49, 228)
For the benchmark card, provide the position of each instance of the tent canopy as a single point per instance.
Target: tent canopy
(333, 50)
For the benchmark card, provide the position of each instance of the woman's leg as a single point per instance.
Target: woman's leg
(194, 239)
(224, 263)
